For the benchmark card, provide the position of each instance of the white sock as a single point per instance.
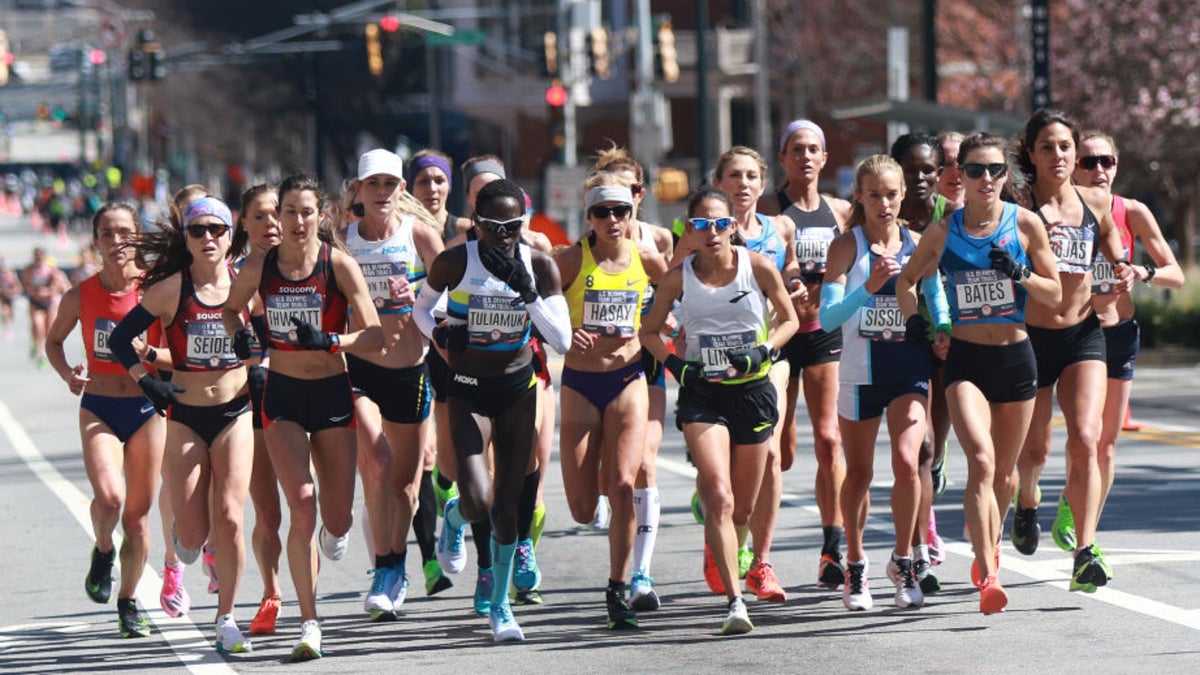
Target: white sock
(921, 552)
(646, 509)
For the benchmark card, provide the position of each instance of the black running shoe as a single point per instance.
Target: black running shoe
(830, 573)
(1025, 530)
(529, 597)
(99, 582)
(620, 615)
(131, 621)
(1089, 572)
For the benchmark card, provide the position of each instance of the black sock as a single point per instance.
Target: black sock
(833, 540)
(400, 558)
(481, 532)
(382, 561)
(425, 519)
(617, 586)
(526, 506)
(444, 482)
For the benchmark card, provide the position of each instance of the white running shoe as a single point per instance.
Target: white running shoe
(908, 591)
(379, 602)
(603, 515)
(738, 621)
(856, 592)
(399, 588)
(308, 647)
(229, 638)
(333, 547)
(504, 624)
(451, 552)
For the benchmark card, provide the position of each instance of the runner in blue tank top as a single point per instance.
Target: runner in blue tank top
(986, 251)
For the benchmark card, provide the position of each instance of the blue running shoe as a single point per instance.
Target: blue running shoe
(526, 575)
(642, 597)
(450, 550)
(483, 591)
(379, 602)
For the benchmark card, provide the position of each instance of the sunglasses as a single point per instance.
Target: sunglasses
(976, 169)
(501, 226)
(1090, 162)
(217, 230)
(603, 212)
(702, 224)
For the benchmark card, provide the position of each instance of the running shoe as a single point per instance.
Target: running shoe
(1099, 552)
(133, 624)
(856, 593)
(737, 622)
(264, 619)
(975, 577)
(99, 582)
(925, 577)
(745, 560)
(992, 597)
(761, 580)
(937, 546)
(435, 580)
(483, 591)
(529, 597)
(538, 524)
(378, 602)
(830, 573)
(620, 615)
(603, 515)
(174, 597)
(939, 479)
(697, 508)
(450, 551)
(504, 625)
(1089, 573)
(229, 638)
(209, 562)
(712, 575)
(1063, 530)
(333, 547)
(1025, 528)
(642, 596)
(399, 590)
(442, 496)
(526, 575)
(308, 647)
(908, 591)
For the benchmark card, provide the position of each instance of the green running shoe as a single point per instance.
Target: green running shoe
(620, 615)
(1089, 574)
(538, 524)
(1063, 530)
(1103, 561)
(99, 582)
(435, 580)
(745, 560)
(130, 620)
(442, 495)
(697, 508)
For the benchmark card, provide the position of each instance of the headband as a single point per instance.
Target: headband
(208, 206)
(424, 162)
(608, 193)
(798, 125)
(483, 166)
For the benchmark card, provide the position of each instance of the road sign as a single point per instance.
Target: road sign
(472, 38)
(113, 31)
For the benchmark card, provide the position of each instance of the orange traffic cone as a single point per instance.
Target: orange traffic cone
(1129, 424)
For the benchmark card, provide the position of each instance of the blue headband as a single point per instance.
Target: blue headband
(424, 162)
(799, 125)
(208, 206)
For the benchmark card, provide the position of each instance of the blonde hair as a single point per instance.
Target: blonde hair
(740, 151)
(617, 158)
(605, 177)
(875, 165)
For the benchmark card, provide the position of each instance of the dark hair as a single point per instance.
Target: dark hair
(499, 189)
(164, 252)
(299, 182)
(1038, 121)
(241, 238)
(115, 206)
(916, 139)
(707, 192)
(1012, 190)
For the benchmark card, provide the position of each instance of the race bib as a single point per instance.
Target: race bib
(1073, 248)
(983, 294)
(492, 320)
(610, 313)
(812, 246)
(281, 309)
(712, 352)
(1104, 276)
(209, 347)
(880, 319)
(101, 332)
(377, 275)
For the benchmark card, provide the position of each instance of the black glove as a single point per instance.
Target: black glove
(312, 338)
(243, 343)
(748, 360)
(451, 338)
(161, 394)
(916, 329)
(509, 270)
(687, 373)
(1003, 262)
(256, 378)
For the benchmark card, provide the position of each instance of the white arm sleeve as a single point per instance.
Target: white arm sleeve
(553, 321)
(428, 302)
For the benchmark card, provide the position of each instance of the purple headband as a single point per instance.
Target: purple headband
(424, 162)
(797, 125)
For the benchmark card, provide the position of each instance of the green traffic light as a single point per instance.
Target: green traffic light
(58, 115)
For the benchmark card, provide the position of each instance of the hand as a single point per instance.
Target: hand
(1126, 275)
(748, 360)
(161, 394)
(1003, 262)
(312, 338)
(582, 340)
(402, 290)
(452, 338)
(885, 268)
(941, 344)
(687, 373)
(256, 379)
(509, 270)
(916, 330)
(243, 343)
(798, 292)
(78, 380)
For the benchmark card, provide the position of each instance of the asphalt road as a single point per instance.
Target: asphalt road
(1147, 620)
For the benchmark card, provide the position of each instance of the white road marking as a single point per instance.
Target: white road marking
(191, 647)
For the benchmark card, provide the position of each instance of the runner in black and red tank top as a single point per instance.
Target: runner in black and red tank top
(306, 286)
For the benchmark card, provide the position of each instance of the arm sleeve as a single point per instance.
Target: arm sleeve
(836, 306)
(935, 299)
(553, 320)
(428, 302)
(121, 340)
(259, 325)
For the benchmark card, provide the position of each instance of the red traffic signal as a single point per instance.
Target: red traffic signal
(556, 95)
(97, 57)
(390, 23)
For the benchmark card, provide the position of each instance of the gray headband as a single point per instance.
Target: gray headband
(481, 167)
(797, 125)
(608, 193)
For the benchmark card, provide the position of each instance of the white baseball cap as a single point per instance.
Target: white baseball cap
(380, 161)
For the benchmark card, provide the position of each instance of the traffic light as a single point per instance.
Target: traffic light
(390, 23)
(374, 51)
(156, 64)
(598, 50)
(668, 61)
(556, 98)
(550, 55)
(138, 65)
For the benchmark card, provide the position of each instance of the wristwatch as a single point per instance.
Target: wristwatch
(1151, 270)
(335, 343)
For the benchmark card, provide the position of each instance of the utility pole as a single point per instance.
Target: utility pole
(762, 82)
(705, 144)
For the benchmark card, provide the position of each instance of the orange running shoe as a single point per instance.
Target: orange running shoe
(992, 598)
(975, 567)
(711, 574)
(264, 620)
(762, 581)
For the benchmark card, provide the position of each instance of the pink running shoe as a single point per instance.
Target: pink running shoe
(937, 547)
(174, 598)
(210, 567)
